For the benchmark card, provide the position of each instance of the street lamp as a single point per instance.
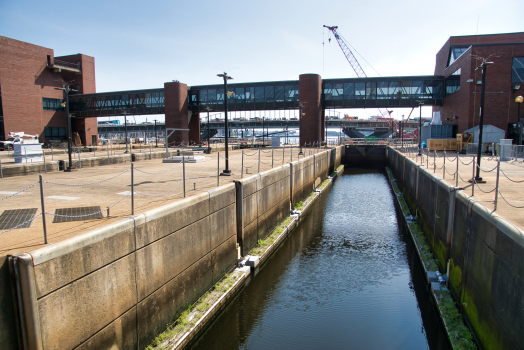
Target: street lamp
(65, 104)
(519, 100)
(484, 67)
(420, 103)
(156, 138)
(226, 171)
(300, 129)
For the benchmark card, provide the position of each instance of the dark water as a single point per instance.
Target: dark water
(347, 278)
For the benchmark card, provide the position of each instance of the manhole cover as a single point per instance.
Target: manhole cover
(12, 218)
(77, 214)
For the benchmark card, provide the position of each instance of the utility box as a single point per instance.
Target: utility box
(490, 134)
(275, 141)
(437, 132)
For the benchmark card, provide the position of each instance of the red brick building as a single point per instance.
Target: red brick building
(29, 101)
(458, 59)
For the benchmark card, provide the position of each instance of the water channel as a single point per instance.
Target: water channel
(346, 278)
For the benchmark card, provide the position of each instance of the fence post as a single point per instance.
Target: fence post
(184, 174)
(107, 147)
(43, 207)
(218, 168)
(283, 153)
(132, 190)
(457, 172)
(45, 165)
(444, 166)
(79, 160)
(1, 171)
(434, 161)
(259, 159)
(272, 158)
(291, 149)
(150, 150)
(497, 185)
(25, 153)
(242, 167)
(473, 178)
(52, 153)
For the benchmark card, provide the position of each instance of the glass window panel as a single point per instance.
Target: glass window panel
(405, 89)
(517, 70)
(338, 91)
(328, 96)
(290, 92)
(239, 94)
(279, 93)
(417, 89)
(270, 93)
(371, 90)
(382, 90)
(349, 91)
(203, 96)
(297, 92)
(360, 91)
(393, 90)
(250, 94)
(212, 95)
(259, 94)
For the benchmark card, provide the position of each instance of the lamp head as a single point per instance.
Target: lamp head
(230, 93)
(63, 104)
(519, 99)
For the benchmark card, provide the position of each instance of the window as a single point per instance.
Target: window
(455, 52)
(52, 104)
(517, 70)
(54, 133)
(453, 83)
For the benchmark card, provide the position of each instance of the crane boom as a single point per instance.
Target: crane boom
(353, 62)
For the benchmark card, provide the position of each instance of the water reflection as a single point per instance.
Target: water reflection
(347, 278)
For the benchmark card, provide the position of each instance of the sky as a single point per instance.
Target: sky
(142, 44)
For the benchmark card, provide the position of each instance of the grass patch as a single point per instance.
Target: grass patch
(341, 166)
(324, 184)
(263, 244)
(193, 313)
(459, 335)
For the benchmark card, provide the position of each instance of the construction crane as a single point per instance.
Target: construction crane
(357, 68)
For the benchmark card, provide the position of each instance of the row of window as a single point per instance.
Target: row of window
(54, 133)
(382, 90)
(277, 93)
(52, 104)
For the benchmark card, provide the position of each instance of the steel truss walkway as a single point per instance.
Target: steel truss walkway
(279, 95)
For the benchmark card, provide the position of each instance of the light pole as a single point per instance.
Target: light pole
(156, 138)
(420, 103)
(226, 171)
(65, 104)
(484, 67)
(519, 100)
(300, 129)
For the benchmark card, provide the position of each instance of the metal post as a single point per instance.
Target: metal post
(484, 67)
(259, 159)
(156, 136)
(132, 190)
(107, 147)
(226, 171)
(52, 153)
(45, 165)
(444, 166)
(457, 172)
(473, 178)
(167, 147)
(150, 150)
(125, 130)
(242, 168)
(218, 168)
(434, 161)
(497, 185)
(79, 161)
(25, 154)
(283, 153)
(184, 174)
(272, 158)
(43, 207)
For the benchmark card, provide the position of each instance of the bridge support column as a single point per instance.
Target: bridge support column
(310, 86)
(177, 116)
(194, 128)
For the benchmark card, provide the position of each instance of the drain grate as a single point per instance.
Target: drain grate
(77, 214)
(12, 218)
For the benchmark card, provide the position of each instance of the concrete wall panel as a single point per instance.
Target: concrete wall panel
(80, 309)
(222, 225)
(223, 258)
(221, 197)
(164, 259)
(171, 217)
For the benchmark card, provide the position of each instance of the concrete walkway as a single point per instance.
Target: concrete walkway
(511, 190)
(155, 184)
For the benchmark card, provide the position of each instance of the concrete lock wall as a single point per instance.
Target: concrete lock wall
(120, 285)
(484, 252)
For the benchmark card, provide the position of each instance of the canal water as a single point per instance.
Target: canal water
(346, 278)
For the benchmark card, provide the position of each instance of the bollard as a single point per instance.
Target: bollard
(194, 186)
(108, 212)
(497, 185)
(43, 207)
(242, 166)
(258, 159)
(218, 168)
(132, 190)
(184, 174)
(45, 165)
